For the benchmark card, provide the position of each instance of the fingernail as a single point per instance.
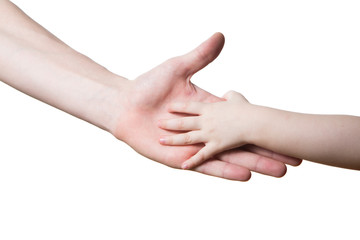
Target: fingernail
(185, 166)
(162, 140)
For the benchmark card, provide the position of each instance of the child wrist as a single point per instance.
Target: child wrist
(255, 124)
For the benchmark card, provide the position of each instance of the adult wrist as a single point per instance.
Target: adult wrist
(111, 102)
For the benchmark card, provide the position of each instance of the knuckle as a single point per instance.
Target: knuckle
(172, 64)
(187, 138)
(231, 92)
(184, 106)
(201, 55)
(180, 124)
(211, 130)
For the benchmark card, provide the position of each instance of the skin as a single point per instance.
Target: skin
(146, 107)
(37, 63)
(327, 139)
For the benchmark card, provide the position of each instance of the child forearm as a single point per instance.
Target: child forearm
(328, 139)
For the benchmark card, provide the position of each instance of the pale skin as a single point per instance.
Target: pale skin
(37, 63)
(328, 139)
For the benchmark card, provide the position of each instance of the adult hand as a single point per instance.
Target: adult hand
(37, 63)
(146, 103)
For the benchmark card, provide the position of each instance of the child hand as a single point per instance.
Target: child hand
(220, 126)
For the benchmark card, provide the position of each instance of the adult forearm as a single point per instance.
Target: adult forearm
(37, 63)
(328, 139)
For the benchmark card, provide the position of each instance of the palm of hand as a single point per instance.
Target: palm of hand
(151, 94)
(147, 103)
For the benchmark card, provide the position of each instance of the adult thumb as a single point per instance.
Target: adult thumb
(204, 54)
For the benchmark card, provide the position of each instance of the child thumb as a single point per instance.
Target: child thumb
(233, 95)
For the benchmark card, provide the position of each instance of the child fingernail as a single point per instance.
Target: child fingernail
(185, 166)
(162, 140)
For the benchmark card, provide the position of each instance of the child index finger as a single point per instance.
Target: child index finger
(186, 107)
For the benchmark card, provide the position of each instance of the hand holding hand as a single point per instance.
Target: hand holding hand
(220, 126)
(147, 100)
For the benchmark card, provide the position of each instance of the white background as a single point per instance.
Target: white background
(61, 178)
